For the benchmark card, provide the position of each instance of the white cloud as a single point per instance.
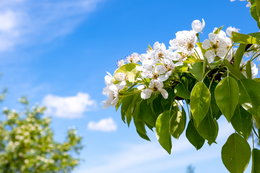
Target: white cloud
(30, 21)
(68, 107)
(105, 125)
(150, 157)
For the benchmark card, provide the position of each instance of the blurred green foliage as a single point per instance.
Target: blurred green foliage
(27, 143)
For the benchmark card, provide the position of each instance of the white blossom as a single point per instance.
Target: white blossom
(197, 25)
(120, 76)
(217, 45)
(231, 29)
(133, 58)
(146, 93)
(184, 42)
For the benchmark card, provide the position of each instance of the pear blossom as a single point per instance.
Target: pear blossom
(120, 76)
(146, 93)
(197, 25)
(184, 42)
(217, 45)
(133, 58)
(230, 30)
(155, 85)
(112, 91)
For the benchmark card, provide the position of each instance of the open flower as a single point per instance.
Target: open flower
(184, 42)
(217, 45)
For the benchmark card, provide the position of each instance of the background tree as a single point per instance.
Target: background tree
(27, 143)
(190, 169)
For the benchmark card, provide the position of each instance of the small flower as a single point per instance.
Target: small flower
(217, 45)
(197, 25)
(184, 42)
(120, 76)
(230, 30)
(133, 58)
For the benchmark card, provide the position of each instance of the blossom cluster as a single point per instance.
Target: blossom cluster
(153, 70)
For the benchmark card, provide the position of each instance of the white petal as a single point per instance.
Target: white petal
(146, 93)
(230, 30)
(197, 25)
(206, 44)
(210, 55)
(160, 69)
(140, 87)
(164, 93)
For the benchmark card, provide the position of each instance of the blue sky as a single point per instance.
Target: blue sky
(57, 53)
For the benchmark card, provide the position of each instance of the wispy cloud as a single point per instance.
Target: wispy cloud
(68, 107)
(104, 125)
(150, 157)
(30, 21)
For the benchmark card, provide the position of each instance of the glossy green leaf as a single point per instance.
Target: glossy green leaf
(163, 131)
(130, 71)
(208, 128)
(181, 91)
(226, 95)
(250, 98)
(235, 154)
(255, 11)
(197, 70)
(234, 71)
(126, 102)
(147, 114)
(139, 124)
(255, 161)
(244, 38)
(199, 102)
(215, 111)
(193, 136)
(242, 122)
(177, 123)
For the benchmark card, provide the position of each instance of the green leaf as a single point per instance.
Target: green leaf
(199, 102)
(193, 136)
(129, 70)
(234, 71)
(213, 105)
(181, 91)
(156, 105)
(163, 131)
(177, 123)
(249, 98)
(242, 122)
(139, 124)
(218, 30)
(226, 95)
(197, 70)
(235, 154)
(126, 101)
(239, 55)
(255, 11)
(208, 128)
(147, 114)
(255, 161)
(244, 38)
